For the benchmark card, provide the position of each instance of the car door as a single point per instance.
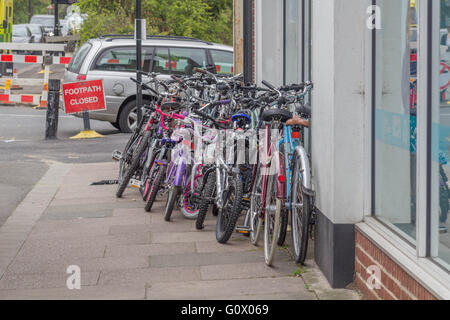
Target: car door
(115, 66)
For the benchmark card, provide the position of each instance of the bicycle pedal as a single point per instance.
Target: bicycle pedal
(135, 183)
(243, 230)
(116, 155)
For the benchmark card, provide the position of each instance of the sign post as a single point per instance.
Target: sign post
(83, 97)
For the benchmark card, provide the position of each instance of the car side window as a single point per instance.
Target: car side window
(184, 60)
(122, 59)
(161, 61)
(223, 60)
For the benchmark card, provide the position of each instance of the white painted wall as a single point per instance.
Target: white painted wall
(338, 49)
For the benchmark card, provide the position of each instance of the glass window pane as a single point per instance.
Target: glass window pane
(78, 58)
(292, 45)
(161, 61)
(184, 60)
(122, 60)
(223, 61)
(441, 144)
(395, 117)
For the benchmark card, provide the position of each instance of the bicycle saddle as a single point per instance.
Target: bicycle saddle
(276, 114)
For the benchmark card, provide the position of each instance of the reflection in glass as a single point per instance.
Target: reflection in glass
(440, 146)
(395, 117)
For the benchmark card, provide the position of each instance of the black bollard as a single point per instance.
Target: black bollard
(86, 121)
(52, 109)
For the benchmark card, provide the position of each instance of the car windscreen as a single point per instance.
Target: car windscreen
(78, 58)
(45, 21)
(20, 31)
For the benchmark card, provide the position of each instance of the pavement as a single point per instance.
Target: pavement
(122, 252)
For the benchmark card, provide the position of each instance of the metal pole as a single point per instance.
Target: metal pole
(56, 29)
(52, 109)
(30, 13)
(248, 41)
(139, 59)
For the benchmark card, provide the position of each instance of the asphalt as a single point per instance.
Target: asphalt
(25, 155)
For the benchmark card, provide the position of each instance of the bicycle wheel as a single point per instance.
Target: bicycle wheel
(207, 193)
(284, 217)
(255, 207)
(159, 178)
(190, 206)
(272, 220)
(300, 211)
(126, 173)
(228, 216)
(171, 199)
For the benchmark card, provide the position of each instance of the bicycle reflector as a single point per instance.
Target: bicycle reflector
(281, 178)
(296, 134)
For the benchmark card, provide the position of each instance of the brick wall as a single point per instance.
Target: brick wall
(396, 284)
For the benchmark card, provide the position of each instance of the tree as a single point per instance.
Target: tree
(205, 19)
(21, 9)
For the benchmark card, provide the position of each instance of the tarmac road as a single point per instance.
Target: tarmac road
(25, 155)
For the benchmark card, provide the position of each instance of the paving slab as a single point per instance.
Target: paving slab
(150, 249)
(43, 280)
(149, 276)
(130, 292)
(221, 289)
(20, 266)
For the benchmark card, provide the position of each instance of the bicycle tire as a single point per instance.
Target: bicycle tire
(224, 229)
(300, 213)
(155, 187)
(171, 199)
(187, 211)
(271, 242)
(207, 193)
(284, 216)
(255, 204)
(135, 161)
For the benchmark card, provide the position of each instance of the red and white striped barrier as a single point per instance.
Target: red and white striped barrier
(16, 58)
(37, 100)
(33, 99)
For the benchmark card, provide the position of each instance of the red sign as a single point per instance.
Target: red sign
(84, 96)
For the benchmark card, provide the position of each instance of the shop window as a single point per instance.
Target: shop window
(395, 117)
(440, 160)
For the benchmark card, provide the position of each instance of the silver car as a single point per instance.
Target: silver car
(113, 60)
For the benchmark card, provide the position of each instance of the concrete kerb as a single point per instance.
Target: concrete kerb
(16, 229)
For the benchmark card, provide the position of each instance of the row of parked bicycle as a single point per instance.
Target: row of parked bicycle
(209, 142)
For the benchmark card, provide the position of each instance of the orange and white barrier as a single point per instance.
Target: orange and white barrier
(33, 99)
(37, 100)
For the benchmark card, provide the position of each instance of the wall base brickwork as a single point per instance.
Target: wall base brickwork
(395, 284)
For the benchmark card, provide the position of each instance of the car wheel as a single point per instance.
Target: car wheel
(128, 117)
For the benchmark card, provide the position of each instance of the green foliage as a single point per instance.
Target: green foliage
(21, 9)
(205, 19)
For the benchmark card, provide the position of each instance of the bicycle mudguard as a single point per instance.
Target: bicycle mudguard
(279, 170)
(301, 154)
(281, 178)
